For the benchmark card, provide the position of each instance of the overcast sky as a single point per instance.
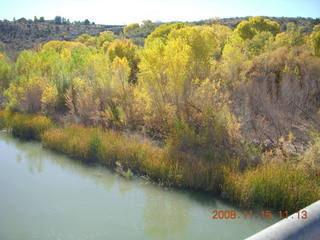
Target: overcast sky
(129, 11)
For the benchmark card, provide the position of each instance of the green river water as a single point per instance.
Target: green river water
(45, 195)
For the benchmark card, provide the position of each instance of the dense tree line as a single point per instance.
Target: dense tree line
(206, 91)
(154, 86)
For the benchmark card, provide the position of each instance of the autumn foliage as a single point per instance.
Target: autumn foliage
(224, 110)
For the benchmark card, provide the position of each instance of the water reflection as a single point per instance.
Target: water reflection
(36, 156)
(29, 152)
(164, 218)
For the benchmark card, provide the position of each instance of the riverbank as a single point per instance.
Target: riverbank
(278, 185)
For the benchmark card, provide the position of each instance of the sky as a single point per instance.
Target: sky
(129, 11)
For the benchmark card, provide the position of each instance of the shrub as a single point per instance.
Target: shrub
(94, 147)
(274, 186)
(111, 148)
(28, 126)
(310, 159)
(4, 119)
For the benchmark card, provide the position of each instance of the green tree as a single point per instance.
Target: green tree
(170, 70)
(248, 29)
(163, 31)
(223, 33)
(105, 39)
(293, 36)
(6, 72)
(315, 40)
(124, 48)
(121, 88)
(131, 27)
(58, 20)
(204, 46)
(258, 44)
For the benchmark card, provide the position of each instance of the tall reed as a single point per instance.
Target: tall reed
(270, 184)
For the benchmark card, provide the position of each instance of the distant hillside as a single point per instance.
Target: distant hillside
(17, 36)
(138, 32)
(26, 34)
(306, 23)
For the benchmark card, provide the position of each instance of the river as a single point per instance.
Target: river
(45, 195)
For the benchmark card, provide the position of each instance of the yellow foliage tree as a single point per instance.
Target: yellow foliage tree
(248, 29)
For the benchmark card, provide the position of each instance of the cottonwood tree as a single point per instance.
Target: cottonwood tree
(315, 40)
(124, 48)
(248, 29)
(131, 27)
